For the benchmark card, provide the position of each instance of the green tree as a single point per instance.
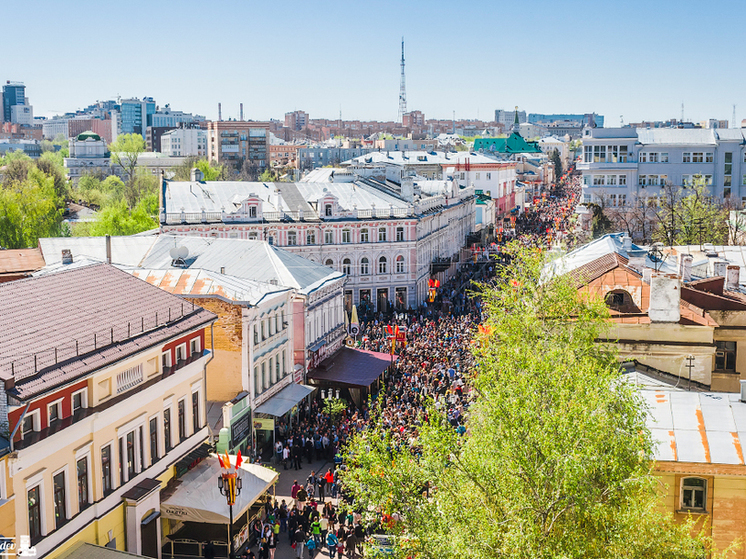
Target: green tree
(556, 460)
(17, 167)
(118, 219)
(557, 162)
(29, 209)
(125, 152)
(690, 215)
(210, 171)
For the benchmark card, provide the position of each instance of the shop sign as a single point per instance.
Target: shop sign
(262, 424)
(240, 429)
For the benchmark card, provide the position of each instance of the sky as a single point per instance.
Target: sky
(629, 60)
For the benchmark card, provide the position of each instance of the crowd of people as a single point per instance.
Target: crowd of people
(432, 366)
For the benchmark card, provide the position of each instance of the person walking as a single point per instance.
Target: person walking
(285, 457)
(299, 539)
(321, 481)
(332, 542)
(294, 491)
(316, 532)
(301, 497)
(297, 455)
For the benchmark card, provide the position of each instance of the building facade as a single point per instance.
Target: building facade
(184, 142)
(14, 94)
(135, 115)
(386, 242)
(98, 415)
(312, 157)
(239, 144)
(625, 165)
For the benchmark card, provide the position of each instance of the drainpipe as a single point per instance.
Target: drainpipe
(20, 422)
(204, 371)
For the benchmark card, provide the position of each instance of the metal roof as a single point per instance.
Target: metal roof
(423, 158)
(676, 136)
(702, 427)
(127, 251)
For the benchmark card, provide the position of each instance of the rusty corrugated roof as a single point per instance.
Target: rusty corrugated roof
(14, 261)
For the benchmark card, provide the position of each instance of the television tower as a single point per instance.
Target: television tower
(402, 87)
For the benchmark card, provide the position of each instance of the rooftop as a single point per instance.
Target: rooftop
(60, 327)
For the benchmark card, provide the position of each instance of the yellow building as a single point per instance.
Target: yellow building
(103, 389)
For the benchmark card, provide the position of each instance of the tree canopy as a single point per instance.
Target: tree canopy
(556, 460)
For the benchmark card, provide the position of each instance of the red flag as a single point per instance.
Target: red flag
(238, 459)
(221, 461)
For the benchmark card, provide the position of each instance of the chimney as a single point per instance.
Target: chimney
(407, 188)
(685, 267)
(222, 270)
(627, 243)
(732, 277)
(719, 267)
(108, 249)
(647, 274)
(67, 256)
(220, 112)
(665, 298)
(241, 111)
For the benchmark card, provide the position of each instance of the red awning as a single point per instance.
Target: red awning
(352, 367)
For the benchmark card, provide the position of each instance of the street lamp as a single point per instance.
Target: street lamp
(230, 487)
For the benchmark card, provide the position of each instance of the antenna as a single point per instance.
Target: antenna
(682, 111)
(621, 120)
(402, 88)
(241, 112)
(733, 124)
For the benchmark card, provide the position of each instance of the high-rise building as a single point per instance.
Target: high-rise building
(136, 115)
(507, 118)
(14, 93)
(239, 143)
(297, 120)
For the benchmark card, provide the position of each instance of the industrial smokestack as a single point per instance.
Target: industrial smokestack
(241, 111)
(220, 112)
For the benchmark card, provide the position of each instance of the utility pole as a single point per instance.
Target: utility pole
(402, 87)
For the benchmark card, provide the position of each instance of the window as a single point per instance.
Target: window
(346, 268)
(588, 150)
(664, 158)
(252, 211)
(400, 264)
(167, 428)
(364, 269)
(53, 412)
(329, 237)
(642, 180)
(278, 374)
(612, 200)
(34, 513)
(310, 237)
(599, 180)
(364, 237)
(27, 427)
(489, 176)
(599, 154)
(82, 469)
(195, 412)
(292, 238)
(693, 493)
(622, 180)
(400, 233)
(194, 346)
(709, 157)
(284, 370)
(328, 209)
(345, 235)
(622, 154)
(478, 177)
(106, 469)
(697, 157)
(60, 512)
(180, 354)
(79, 400)
(154, 440)
(181, 407)
(643, 156)
(611, 180)
(166, 361)
(130, 454)
(253, 236)
(686, 157)
(329, 263)
(382, 235)
(382, 265)
(264, 331)
(725, 356)
(622, 199)
(726, 192)
(265, 378)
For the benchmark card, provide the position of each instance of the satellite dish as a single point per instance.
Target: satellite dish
(182, 252)
(174, 252)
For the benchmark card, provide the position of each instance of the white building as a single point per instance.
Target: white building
(622, 165)
(22, 114)
(389, 240)
(550, 143)
(184, 142)
(89, 154)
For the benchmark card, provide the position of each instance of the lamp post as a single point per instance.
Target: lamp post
(230, 487)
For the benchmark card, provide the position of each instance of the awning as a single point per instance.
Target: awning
(317, 346)
(197, 497)
(352, 367)
(282, 402)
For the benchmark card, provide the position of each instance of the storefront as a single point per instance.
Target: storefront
(275, 409)
(196, 512)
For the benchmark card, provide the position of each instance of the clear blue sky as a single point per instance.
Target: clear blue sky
(640, 59)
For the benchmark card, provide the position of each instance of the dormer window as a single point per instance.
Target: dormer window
(328, 210)
(252, 211)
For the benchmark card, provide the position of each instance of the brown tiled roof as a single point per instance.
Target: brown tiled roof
(20, 260)
(59, 327)
(598, 267)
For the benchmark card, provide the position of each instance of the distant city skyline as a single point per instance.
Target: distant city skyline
(635, 59)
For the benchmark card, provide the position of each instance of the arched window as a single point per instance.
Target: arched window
(400, 264)
(364, 267)
(364, 236)
(620, 300)
(346, 266)
(328, 209)
(292, 238)
(382, 265)
(693, 493)
(329, 263)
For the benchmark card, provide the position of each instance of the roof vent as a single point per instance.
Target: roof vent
(67, 256)
(274, 281)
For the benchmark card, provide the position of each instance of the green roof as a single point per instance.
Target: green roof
(515, 143)
(88, 136)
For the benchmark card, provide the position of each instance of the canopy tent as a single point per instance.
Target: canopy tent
(353, 368)
(282, 402)
(197, 498)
